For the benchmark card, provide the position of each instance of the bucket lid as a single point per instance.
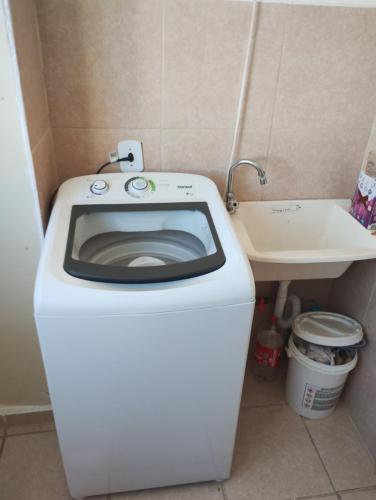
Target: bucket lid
(326, 328)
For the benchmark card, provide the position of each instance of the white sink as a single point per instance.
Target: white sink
(301, 239)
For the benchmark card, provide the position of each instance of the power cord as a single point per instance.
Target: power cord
(115, 159)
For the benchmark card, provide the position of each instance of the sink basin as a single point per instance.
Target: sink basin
(301, 239)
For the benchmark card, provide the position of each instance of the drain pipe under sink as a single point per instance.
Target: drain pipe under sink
(280, 304)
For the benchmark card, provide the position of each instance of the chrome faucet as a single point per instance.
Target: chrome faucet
(232, 203)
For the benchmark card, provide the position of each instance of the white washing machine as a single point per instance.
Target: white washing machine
(143, 303)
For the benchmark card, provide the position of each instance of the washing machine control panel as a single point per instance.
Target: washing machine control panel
(99, 187)
(139, 187)
(128, 188)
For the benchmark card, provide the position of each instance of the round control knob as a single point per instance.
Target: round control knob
(138, 187)
(140, 184)
(99, 187)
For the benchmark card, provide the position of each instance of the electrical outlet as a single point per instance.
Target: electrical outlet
(134, 147)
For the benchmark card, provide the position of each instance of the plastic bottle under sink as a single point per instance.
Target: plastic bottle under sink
(268, 352)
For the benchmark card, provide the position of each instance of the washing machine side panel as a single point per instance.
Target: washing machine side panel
(146, 400)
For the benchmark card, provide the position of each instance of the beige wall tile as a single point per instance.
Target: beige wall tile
(317, 290)
(102, 62)
(253, 145)
(82, 151)
(360, 396)
(29, 57)
(45, 173)
(205, 42)
(203, 152)
(371, 145)
(328, 69)
(206, 152)
(352, 292)
(347, 461)
(314, 163)
(265, 68)
(274, 458)
(360, 393)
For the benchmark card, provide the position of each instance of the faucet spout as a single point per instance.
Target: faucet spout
(231, 202)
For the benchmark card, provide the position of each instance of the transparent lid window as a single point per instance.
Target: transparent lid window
(104, 236)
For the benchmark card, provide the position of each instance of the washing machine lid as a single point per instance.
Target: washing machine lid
(142, 243)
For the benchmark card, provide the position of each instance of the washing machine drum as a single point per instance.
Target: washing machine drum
(142, 243)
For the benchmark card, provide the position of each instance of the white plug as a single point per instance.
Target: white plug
(134, 147)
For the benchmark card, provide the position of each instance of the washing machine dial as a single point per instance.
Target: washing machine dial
(137, 187)
(139, 184)
(99, 187)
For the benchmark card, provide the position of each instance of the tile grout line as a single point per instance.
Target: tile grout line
(248, 129)
(162, 85)
(266, 405)
(322, 495)
(372, 295)
(320, 458)
(360, 489)
(2, 444)
(224, 493)
(4, 418)
(360, 437)
(286, 12)
(40, 140)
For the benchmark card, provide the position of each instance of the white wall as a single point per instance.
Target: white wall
(22, 379)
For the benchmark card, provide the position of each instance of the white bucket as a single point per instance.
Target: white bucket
(312, 388)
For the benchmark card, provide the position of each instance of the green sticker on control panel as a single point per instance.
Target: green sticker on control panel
(152, 185)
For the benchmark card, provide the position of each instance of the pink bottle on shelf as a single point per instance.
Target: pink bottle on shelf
(363, 206)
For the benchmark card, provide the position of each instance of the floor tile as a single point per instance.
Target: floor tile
(359, 495)
(30, 422)
(261, 393)
(346, 459)
(274, 458)
(325, 497)
(205, 491)
(31, 469)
